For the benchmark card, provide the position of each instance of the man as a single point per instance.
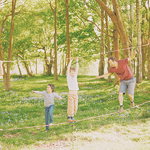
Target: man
(127, 79)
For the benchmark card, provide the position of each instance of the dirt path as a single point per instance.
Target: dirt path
(114, 137)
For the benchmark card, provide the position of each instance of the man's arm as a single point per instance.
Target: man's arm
(69, 65)
(130, 58)
(104, 75)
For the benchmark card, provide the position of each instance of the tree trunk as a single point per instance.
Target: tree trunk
(48, 64)
(27, 69)
(7, 75)
(139, 54)
(19, 69)
(117, 52)
(148, 75)
(102, 49)
(55, 42)
(143, 48)
(67, 31)
(108, 42)
(64, 67)
(118, 23)
(131, 35)
(51, 61)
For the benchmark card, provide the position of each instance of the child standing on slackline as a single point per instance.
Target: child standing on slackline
(73, 88)
(49, 96)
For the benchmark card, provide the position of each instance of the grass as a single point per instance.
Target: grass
(21, 108)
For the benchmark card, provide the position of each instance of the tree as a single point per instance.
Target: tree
(67, 31)
(6, 76)
(117, 19)
(148, 19)
(139, 54)
(55, 39)
(102, 45)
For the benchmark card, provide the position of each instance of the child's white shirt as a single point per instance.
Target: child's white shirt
(72, 82)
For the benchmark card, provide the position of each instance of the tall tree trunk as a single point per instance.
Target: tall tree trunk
(116, 49)
(67, 31)
(148, 75)
(19, 69)
(139, 54)
(51, 62)
(27, 69)
(108, 42)
(143, 48)
(6, 79)
(118, 23)
(64, 67)
(55, 42)
(1, 50)
(102, 61)
(131, 30)
(131, 36)
(48, 64)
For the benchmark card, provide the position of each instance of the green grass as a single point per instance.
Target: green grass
(21, 108)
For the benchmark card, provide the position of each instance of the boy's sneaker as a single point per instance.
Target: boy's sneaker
(132, 105)
(69, 120)
(74, 121)
(51, 124)
(120, 110)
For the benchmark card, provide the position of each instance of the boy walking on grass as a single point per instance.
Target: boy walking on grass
(73, 88)
(49, 96)
(127, 79)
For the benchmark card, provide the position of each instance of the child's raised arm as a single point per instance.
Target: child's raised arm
(69, 65)
(77, 65)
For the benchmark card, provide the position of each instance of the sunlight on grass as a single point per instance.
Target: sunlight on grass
(20, 108)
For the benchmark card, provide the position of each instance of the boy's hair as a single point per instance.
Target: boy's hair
(112, 58)
(72, 69)
(52, 87)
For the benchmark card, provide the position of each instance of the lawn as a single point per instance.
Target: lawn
(20, 108)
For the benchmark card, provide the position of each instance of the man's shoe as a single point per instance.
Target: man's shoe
(120, 110)
(132, 105)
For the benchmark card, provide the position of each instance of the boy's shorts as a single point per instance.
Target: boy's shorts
(130, 84)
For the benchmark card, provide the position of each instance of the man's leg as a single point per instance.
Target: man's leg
(132, 100)
(131, 87)
(123, 88)
(121, 102)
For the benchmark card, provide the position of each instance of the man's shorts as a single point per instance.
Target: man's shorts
(128, 84)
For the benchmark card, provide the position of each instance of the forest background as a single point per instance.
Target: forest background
(54, 31)
(50, 32)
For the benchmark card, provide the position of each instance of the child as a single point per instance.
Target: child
(49, 96)
(73, 88)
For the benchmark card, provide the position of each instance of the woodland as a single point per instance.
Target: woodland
(53, 31)
(89, 29)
